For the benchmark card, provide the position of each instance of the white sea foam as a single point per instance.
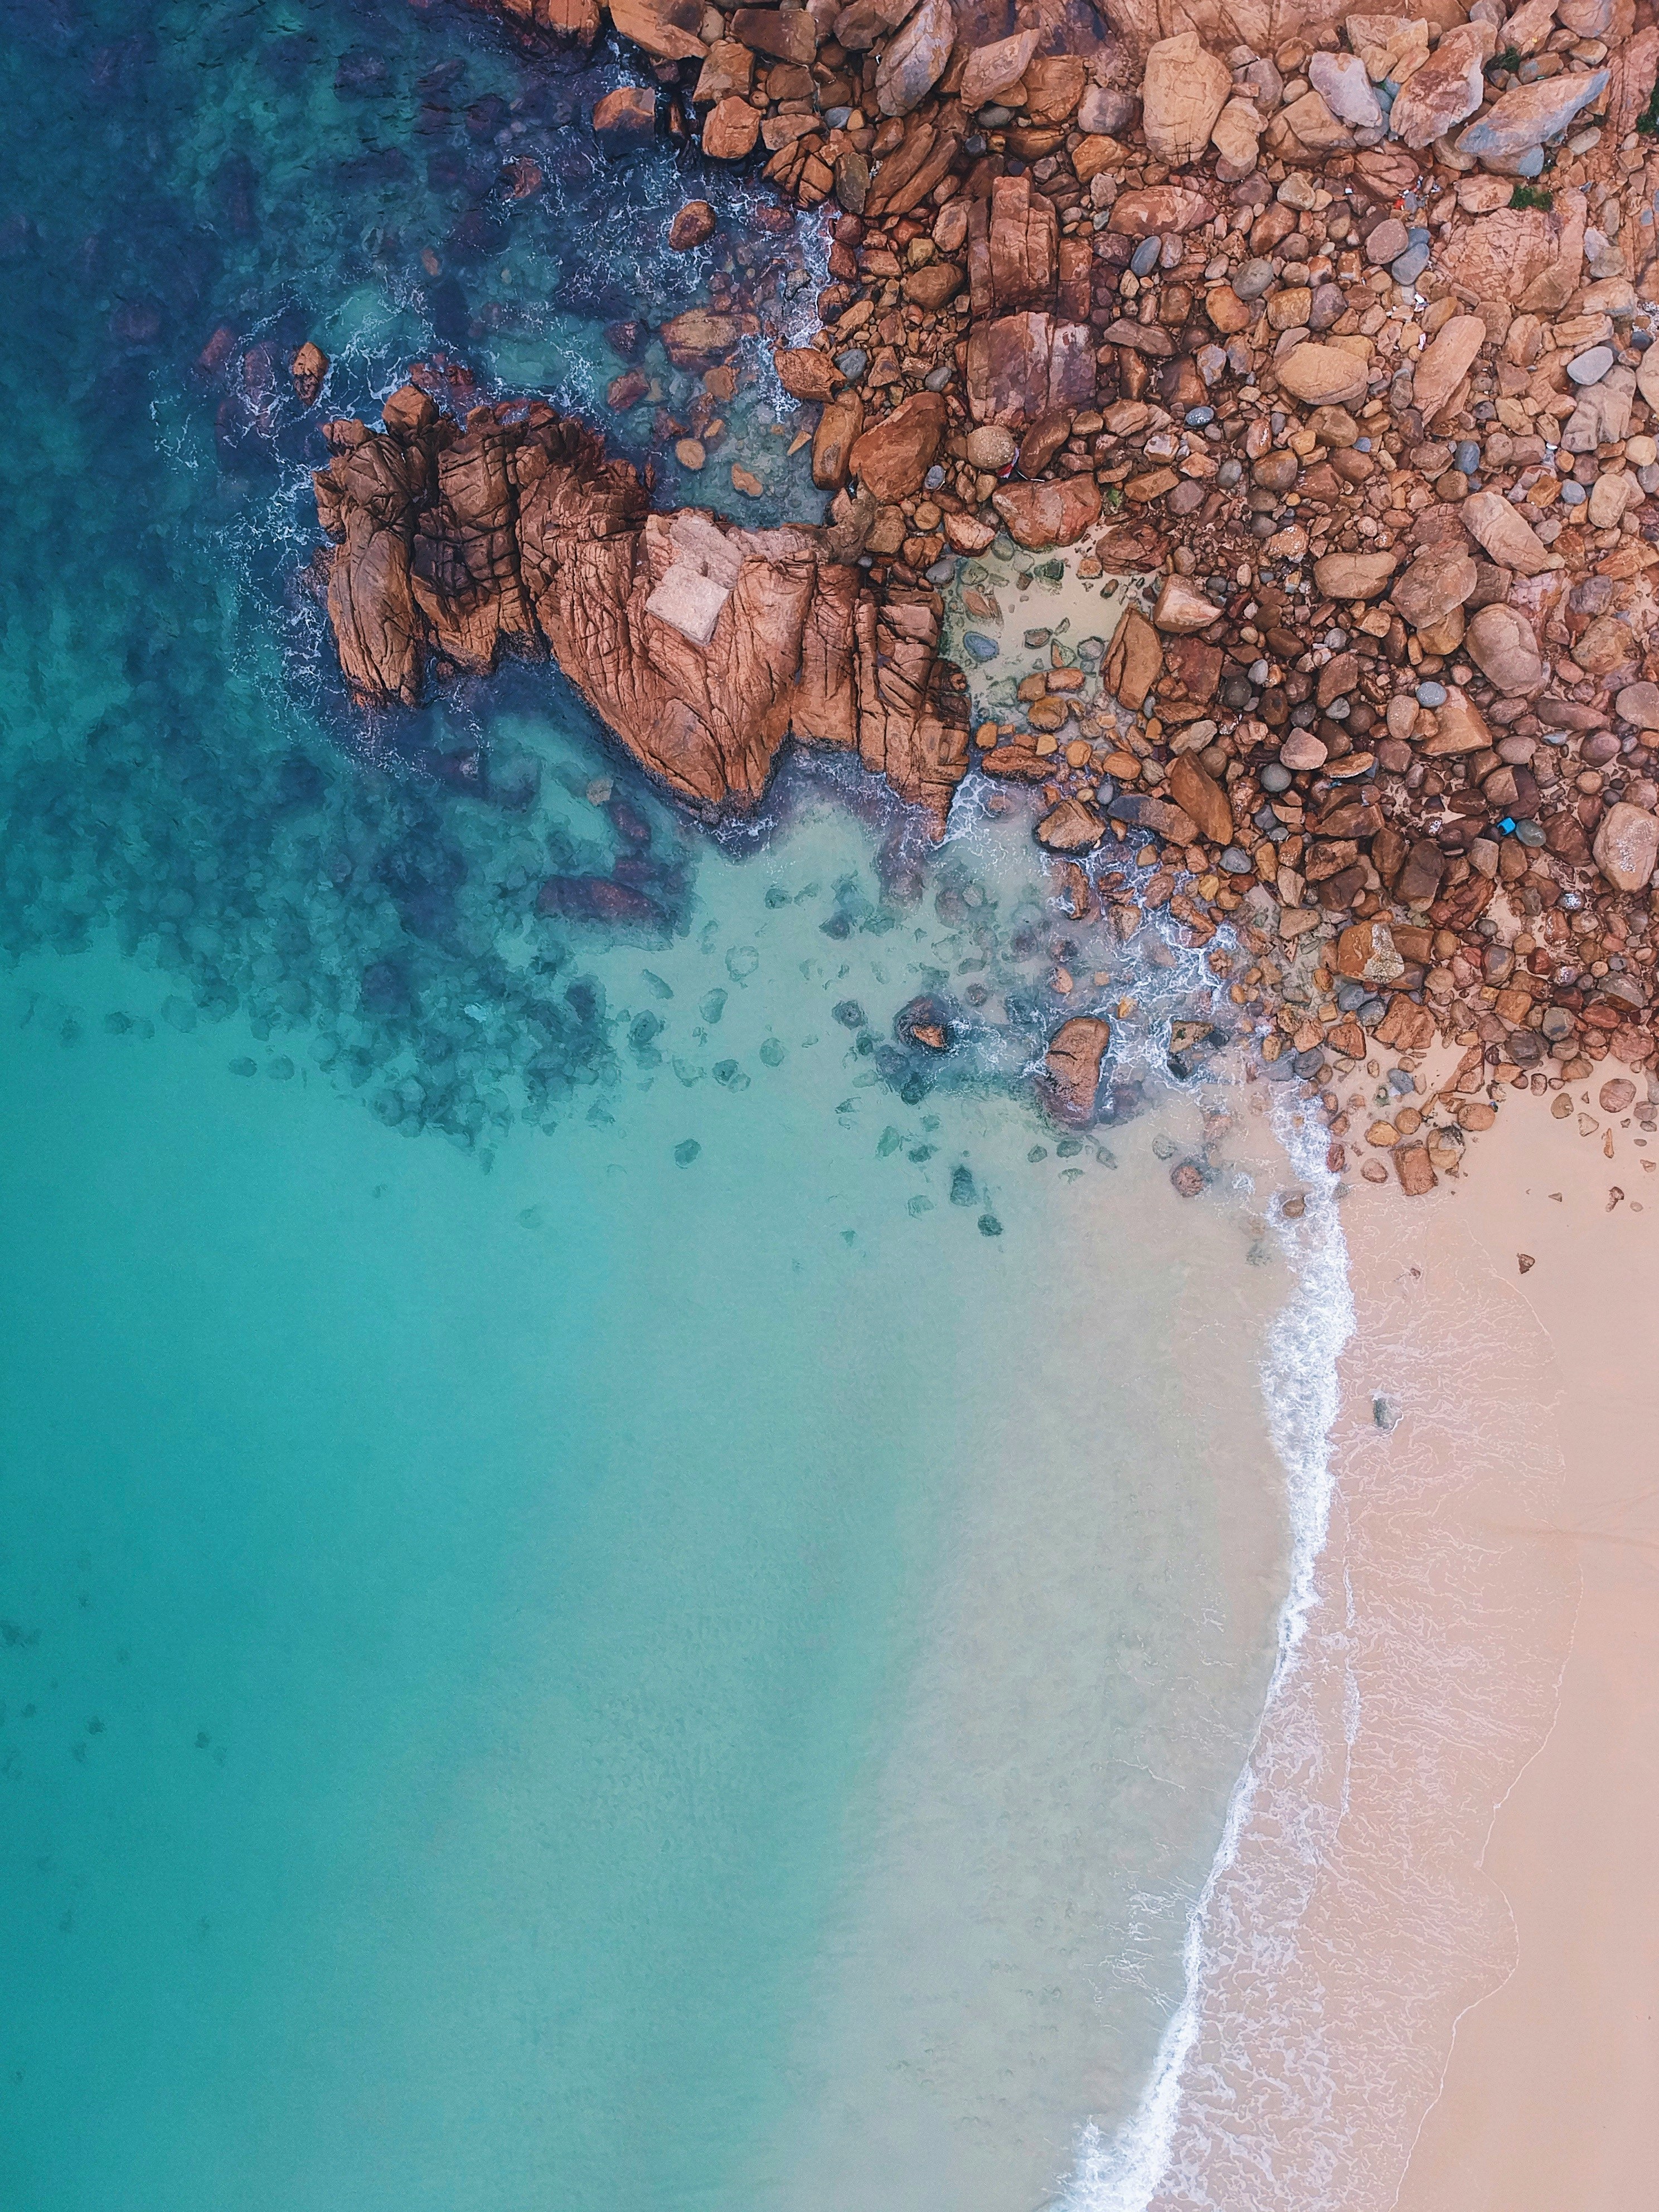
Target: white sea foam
(1123, 2173)
(1345, 1922)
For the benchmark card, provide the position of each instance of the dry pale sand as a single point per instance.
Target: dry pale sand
(1550, 2093)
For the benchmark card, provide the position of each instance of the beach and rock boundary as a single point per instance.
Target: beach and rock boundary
(1341, 341)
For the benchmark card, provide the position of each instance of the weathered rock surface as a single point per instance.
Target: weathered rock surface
(1446, 89)
(1502, 644)
(1038, 515)
(1627, 846)
(1323, 375)
(703, 648)
(1182, 92)
(915, 61)
(1506, 534)
(1072, 1066)
(894, 455)
(1531, 113)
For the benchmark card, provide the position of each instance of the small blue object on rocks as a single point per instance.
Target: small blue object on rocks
(1431, 694)
(1466, 456)
(1409, 265)
(943, 571)
(853, 363)
(983, 647)
(934, 478)
(1144, 259)
(1237, 862)
(1573, 494)
(936, 380)
(1198, 416)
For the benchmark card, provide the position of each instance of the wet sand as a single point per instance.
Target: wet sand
(1554, 2078)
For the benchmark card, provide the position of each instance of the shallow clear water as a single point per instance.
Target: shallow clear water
(613, 1593)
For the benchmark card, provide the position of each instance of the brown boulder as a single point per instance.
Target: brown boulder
(1323, 375)
(1446, 89)
(1024, 366)
(807, 373)
(1627, 846)
(1183, 91)
(694, 224)
(1354, 576)
(1445, 361)
(1366, 953)
(839, 428)
(1501, 642)
(1416, 1172)
(1155, 209)
(1135, 660)
(1499, 256)
(666, 29)
(782, 34)
(1071, 827)
(1509, 539)
(1056, 514)
(730, 130)
(1021, 242)
(1199, 793)
(1072, 1064)
(307, 370)
(1435, 584)
(893, 456)
(915, 61)
(994, 70)
(698, 337)
(627, 116)
(1183, 608)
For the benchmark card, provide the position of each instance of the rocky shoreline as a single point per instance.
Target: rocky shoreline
(1342, 343)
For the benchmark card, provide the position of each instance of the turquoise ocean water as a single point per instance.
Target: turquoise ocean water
(609, 1596)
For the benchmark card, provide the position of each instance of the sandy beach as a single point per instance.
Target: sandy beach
(1554, 2076)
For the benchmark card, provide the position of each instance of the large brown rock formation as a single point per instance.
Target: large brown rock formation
(701, 647)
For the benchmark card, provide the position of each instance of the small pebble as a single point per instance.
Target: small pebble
(1431, 694)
